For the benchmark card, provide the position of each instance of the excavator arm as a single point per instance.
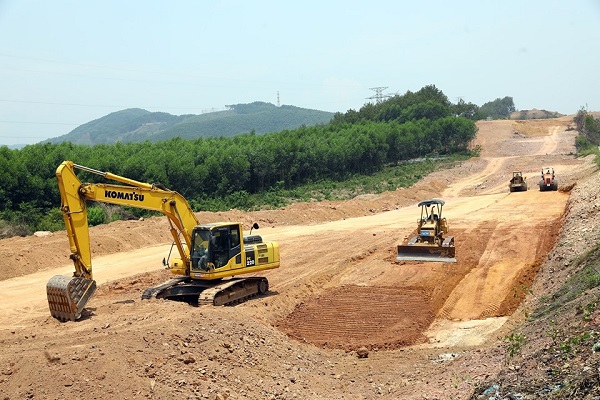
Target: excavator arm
(67, 296)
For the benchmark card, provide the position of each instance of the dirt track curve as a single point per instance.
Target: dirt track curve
(339, 286)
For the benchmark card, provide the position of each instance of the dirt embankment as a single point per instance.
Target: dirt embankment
(430, 329)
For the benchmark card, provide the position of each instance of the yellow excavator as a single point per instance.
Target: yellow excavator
(429, 244)
(208, 253)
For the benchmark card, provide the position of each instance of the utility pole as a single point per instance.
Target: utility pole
(378, 96)
(278, 98)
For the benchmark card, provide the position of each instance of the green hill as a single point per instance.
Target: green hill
(138, 125)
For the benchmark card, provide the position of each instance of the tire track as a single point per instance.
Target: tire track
(349, 317)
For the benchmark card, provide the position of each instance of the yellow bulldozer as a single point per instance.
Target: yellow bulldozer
(429, 243)
(210, 255)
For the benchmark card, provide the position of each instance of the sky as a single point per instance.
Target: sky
(64, 63)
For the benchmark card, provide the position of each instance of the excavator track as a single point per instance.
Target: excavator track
(217, 293)
(155, 292)
(234, 291)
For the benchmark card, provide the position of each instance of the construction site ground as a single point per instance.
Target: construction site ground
(343, 319)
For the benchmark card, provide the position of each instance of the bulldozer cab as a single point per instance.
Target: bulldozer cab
(431, 212)
(431, 222)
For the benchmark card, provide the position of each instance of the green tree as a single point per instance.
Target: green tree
(429, 109)
(464, 109)
(499, 108)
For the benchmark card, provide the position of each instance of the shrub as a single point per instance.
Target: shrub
(96, 215)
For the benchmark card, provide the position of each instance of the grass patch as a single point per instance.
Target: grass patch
(10, 229)
(390, 178)
(586, 277)
(514, 343)
(585, 148)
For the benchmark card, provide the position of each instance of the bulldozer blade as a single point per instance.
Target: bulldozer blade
(426, 253)
(67, 296)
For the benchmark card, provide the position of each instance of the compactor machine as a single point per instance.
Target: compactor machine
(548, 181)
(210, 255)
(429, 243)
(518, 183)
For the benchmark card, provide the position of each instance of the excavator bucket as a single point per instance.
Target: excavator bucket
(67, 296)
(426, 253)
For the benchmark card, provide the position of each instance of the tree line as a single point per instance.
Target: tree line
(207, 169)
(588, 140)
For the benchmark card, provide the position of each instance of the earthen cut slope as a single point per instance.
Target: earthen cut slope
(339, 289)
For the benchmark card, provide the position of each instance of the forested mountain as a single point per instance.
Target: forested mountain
(224, 172)
(138, 125)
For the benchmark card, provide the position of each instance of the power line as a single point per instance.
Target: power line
(89, 105)
(182, 78)
(23, 137)
(38, 123)
(103, 67)
(56, 104)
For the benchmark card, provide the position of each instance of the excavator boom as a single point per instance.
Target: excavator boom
(68, 296)
(219, 250)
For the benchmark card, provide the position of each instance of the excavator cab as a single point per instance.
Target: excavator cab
(217, 248)
(200, 245)
(214, 246)
(429, 244)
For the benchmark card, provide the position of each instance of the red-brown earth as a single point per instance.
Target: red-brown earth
(431, 330)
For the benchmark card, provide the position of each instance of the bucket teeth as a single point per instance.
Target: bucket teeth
(67, 296)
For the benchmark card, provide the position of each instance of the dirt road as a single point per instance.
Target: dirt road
(339, 289)
(501, 238)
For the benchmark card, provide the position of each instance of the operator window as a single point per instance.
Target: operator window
(235, 236)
